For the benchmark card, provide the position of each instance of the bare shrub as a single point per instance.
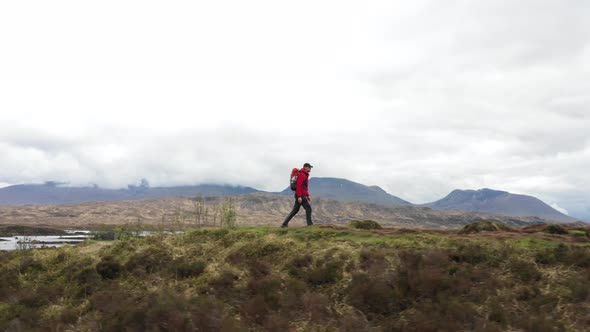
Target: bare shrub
(524, 270)
(353, 321)
(372, 260)
(224, 281)
(108, 268)
(365, 224)
(324, 272)
(318, 306)
(276, 323)
(255, 309)
(185, 268)
(150, 260)
(373, 295)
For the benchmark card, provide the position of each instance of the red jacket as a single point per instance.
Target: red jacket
(302, 183)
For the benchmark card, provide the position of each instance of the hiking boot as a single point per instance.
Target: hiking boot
(284, 226)
(309, 224)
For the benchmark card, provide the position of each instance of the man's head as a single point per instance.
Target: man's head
(307, 166)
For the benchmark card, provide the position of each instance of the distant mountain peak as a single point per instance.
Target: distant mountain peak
(498, 202)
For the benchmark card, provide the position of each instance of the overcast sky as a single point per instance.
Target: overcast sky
(418, 97)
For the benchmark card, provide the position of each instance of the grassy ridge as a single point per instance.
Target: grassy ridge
(307, 279)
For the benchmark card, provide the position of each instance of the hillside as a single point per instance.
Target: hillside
(252, 209)
(306, 279)
(498, 202)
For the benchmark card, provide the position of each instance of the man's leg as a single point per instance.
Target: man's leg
(296, 208)
(307, 208)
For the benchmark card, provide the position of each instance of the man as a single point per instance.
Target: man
(302, 196)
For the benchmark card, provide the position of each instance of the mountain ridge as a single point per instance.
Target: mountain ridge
(253, 209)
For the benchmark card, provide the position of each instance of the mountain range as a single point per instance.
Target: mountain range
(254, 209)
(479, 201)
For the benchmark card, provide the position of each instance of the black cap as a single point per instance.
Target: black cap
(307, 165)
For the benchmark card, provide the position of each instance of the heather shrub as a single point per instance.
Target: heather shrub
(372, 260)
(259, 269)
(8, 281)
(317, 305)
(164, 310)
(276, 322)
(365, 224)
(268, 287)
(64, 316)
(566, 255)
(109, 302)
(224, 281)
(255, 310)
(184, 268)
(579, 288)
(298, 265)
(35, 297)
(497, 312)
(552, 255)
(485, 226)
(472, 253)
(373, 295)
(432, 316)
(539, 323)
(108, 235)
(149, 260)
(526, 292)
(28, 264)
(555, 229)
(302, 261)
(324, 272)
(578, 256)
(82, 277)
(423, 274)
(292, 294)
(108, 268)
(524, 270)
(353, 321)
(254, 250)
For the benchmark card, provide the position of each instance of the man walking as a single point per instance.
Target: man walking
(302, 196)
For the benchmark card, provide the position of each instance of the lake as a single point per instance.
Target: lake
(72, 237)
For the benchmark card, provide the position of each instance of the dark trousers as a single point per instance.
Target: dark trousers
(296, 208)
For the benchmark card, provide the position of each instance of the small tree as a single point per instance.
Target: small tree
(228, 213)
(24, 244)
(200, 210)
(216, 214)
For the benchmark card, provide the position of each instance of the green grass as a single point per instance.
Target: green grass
(535, 244)
(411, 240)
(299, 279)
